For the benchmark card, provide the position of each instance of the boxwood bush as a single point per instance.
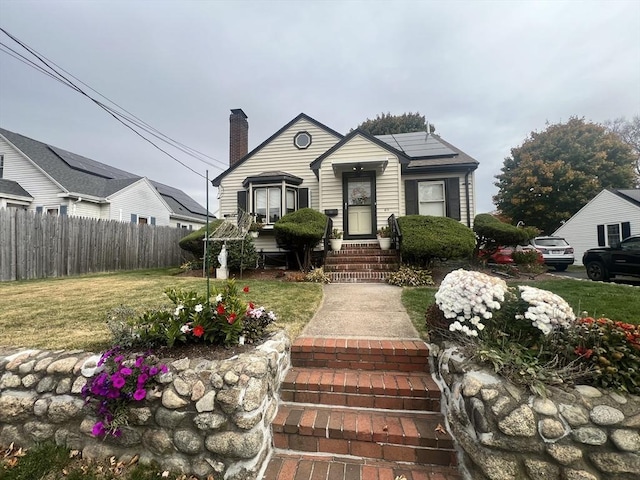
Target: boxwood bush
(492, 232)
(193, 243)
(426, 238)
(300, 232)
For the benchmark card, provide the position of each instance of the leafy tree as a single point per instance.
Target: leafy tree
(629, 132)
(556, 172)
(300, 232)
(385, 124)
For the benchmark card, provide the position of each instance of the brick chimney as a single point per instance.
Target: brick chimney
(238, 136)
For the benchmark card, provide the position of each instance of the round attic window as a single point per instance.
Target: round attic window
(302, 140)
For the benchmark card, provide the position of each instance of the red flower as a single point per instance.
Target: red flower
(583, 352)
(231, 318)
(251, 306)
(220, 309)
(198, 330)
(246, 289)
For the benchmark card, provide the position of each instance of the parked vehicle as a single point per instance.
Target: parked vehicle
(557, 253)
(604, 263)
(503, 255)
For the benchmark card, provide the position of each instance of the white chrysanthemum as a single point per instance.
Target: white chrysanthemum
(469, 297)
(547, 310)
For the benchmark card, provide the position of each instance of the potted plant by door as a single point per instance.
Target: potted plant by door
(335, 239)
(254, 229)
(384, 238)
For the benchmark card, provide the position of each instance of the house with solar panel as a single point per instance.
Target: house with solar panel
(358, 180)
(50, 180)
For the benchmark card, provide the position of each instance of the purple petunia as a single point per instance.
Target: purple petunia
(118, 381)
(125, 371)
(142, 379)
(140, 394)
(98, 429)
(153, 371)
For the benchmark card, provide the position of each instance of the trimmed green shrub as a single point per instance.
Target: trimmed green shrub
(491, 232)
(300, 232)
(193, 243)
(425, 238)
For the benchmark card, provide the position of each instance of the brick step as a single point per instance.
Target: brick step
(348, 252)
(362, 267)
(360, 354)
(364, 433)
(364, 258)
(364, 389)
(312, 467)
(359, 277)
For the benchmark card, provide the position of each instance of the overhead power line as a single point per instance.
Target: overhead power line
(129, 120)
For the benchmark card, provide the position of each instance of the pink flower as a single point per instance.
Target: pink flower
(118, 381)
(139, 394)
(98, 429)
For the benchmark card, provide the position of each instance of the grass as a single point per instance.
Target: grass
(71, 312)
(617, 302)
(47, 461)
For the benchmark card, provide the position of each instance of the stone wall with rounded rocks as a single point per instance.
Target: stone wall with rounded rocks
(506, 433)
(208, 417)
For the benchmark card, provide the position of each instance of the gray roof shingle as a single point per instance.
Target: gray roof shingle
(82, 175)
(9, 187)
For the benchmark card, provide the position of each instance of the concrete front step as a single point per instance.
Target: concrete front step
(365, 389)
(360, 354)
(417, 438)
(309, 467)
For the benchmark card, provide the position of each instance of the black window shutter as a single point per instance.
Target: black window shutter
(601, 240)
(38, 209)
(303, 198)
(63, 209)
(452, 186)
(242, 201)
(411, 197)
(626, 229)
(153, 220)
(134, 218)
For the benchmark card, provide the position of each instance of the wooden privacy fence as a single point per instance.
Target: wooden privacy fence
(39, 246)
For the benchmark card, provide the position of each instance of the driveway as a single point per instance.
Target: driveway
(582, 275)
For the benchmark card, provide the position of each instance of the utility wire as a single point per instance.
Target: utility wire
(131, 118)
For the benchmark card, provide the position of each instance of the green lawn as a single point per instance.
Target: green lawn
(71, 312)
(617, 302)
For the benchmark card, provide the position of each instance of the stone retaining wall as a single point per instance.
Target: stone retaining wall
(209, 416)
(505, 433)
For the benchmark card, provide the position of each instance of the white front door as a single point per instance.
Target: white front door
(359, 204)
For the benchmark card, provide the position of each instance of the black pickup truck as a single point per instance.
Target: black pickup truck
(604, 263)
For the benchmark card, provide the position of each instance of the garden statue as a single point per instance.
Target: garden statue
(222, 257)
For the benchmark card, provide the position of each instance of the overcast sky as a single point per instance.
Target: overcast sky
(485, 73)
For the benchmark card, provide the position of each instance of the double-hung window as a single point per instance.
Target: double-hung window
(431, 199)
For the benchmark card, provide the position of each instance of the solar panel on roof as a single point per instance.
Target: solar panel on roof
(90, 166)
(180, 197)
(417, 144)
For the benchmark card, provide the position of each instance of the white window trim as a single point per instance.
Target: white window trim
(606, 232)
(444, 194)
(283, 186)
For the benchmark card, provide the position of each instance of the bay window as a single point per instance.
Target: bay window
(271, 195)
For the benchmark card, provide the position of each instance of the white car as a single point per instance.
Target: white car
(556, 252)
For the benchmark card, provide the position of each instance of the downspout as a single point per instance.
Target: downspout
(466, 191)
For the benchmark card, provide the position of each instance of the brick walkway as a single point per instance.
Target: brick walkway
(360, 409)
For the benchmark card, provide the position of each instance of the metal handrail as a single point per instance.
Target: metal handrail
(396, 234)
(327, 231)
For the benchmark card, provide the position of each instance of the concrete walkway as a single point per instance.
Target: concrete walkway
(361, 310)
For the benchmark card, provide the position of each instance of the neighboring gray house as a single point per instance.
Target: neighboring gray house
(609, 217)
(47, 179)
(357, 179)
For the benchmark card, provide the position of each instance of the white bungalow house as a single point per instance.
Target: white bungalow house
(47, 179)
(609, 217)
(358, 180)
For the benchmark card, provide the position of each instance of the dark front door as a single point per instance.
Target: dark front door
(359, 204)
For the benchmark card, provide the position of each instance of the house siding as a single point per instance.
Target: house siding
(17, 168)
(84, 209)
(461, 187)
(388, 199)
(606, 208)
(280, 154)
(140, 199)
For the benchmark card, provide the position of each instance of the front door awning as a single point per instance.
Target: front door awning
(362, 165)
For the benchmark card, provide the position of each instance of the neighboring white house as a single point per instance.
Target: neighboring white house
(609, 217)
(357, 179)
(47, 179)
